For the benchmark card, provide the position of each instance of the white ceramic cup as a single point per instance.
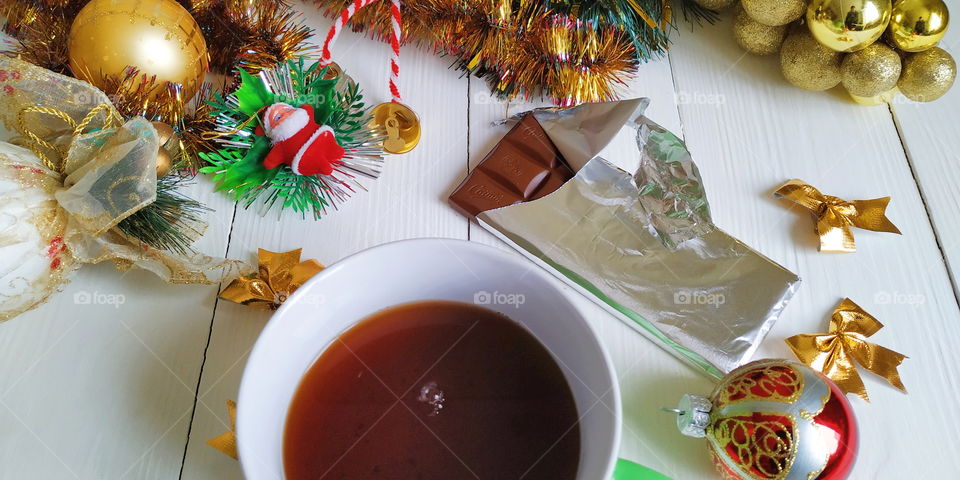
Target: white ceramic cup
(409, 271)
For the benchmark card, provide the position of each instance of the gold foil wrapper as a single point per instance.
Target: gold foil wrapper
(278, 276)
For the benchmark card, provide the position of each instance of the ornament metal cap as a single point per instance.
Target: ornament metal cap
(693, 415)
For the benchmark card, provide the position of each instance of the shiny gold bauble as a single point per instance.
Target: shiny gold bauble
(848, 25)
(164, 132)
(157, 37)
(927, 75)
(400, 124)
(916, 25)
(774, 12)
(714, 4)
(807, 64)
(755, 37)
(871, 71)
(167, 139)
(164, 162)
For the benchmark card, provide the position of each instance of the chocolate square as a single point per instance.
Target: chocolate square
(524, 165)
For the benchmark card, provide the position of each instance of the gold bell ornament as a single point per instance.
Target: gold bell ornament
(398, 122)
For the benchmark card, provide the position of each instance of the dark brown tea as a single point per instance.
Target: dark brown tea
(433, 391)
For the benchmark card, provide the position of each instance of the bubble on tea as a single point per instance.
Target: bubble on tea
(431, 395)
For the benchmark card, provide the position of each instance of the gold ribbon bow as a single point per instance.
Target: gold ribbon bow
(835, 354)
(279, 275)
(835, 215)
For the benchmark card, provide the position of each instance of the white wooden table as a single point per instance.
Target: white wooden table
(134, 390)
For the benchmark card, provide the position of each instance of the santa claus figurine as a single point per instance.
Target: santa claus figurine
(299, 141)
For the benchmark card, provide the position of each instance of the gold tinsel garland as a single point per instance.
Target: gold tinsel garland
(253, 34)
(521, 47)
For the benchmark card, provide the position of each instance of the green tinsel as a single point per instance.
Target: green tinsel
(648, 41)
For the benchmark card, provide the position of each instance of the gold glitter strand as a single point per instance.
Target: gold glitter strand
(520, 47)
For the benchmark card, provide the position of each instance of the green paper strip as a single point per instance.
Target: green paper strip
(252, 94)
(627, 470)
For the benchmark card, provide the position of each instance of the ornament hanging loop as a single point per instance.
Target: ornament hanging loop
(398, 122)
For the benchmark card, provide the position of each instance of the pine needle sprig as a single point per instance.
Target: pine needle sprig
(695, 13)
(170, 222)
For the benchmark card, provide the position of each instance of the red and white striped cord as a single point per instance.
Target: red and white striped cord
(395, 47)
(345, 16)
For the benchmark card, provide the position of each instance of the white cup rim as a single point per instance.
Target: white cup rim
(252, 460)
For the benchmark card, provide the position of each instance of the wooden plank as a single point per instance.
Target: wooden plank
(929, 135)
(763, 131)
(408, 201)
(92, 389)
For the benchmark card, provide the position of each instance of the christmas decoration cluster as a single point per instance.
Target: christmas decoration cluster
(98, 41)
(110, 100)
(874, 48)
(570, 51)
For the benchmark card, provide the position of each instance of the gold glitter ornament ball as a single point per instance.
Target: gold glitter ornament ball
(714, 4)
(927, 75)
(774, 12)
(848, 25)
(870, 71)
(807, 64)
(158, 37)
(755, 37)
(916, 25)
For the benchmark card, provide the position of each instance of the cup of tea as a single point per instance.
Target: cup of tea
(430, 358)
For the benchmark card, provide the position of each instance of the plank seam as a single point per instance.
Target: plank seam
(673, 81)
(926, 206)
(469, 103)
(203, 361)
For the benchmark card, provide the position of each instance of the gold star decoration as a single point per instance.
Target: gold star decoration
(278, 276)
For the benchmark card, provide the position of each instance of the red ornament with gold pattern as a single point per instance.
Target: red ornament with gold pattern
(774, 420)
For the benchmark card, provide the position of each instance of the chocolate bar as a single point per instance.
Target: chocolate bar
(525, 165)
